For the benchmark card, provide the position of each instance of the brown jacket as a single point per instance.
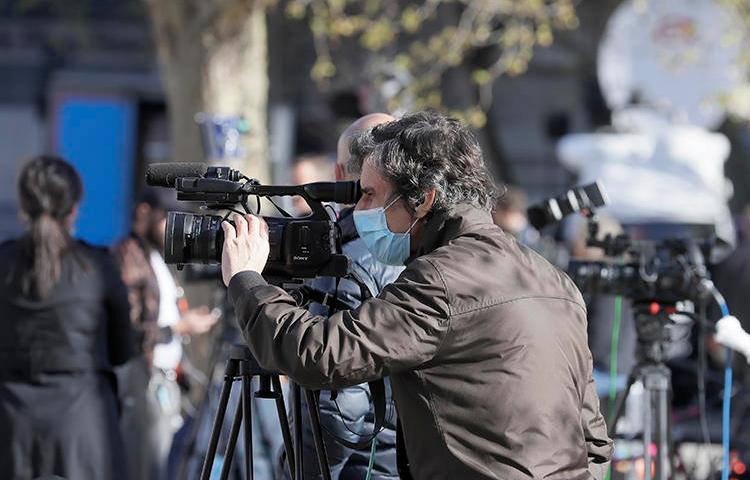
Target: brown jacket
(485, 344)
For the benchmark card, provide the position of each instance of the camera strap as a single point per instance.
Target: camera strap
(322, 298)
(377, 394)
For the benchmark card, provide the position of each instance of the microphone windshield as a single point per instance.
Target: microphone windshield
(166, 174)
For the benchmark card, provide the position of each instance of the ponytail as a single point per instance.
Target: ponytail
(49, 189)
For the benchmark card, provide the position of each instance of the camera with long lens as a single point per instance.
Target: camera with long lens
(584, 199)
(304, 247)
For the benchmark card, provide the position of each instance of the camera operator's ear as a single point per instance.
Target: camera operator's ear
(428, 201)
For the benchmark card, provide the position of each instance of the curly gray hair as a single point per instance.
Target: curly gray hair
(427, 150)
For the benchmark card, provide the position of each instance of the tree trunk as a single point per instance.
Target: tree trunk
(212, 56)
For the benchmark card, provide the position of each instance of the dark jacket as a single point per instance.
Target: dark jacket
(58, 410)
(352, 412)
(485, 344)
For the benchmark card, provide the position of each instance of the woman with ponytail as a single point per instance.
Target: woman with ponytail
(64, 324)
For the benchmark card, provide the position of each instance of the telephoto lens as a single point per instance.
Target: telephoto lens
(191, 238)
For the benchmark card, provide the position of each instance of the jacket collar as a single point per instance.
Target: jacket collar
(441, 228)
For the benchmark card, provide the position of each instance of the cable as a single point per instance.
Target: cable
(727, 404)
(283, 212)
(331, 209)
(372, 458)
(389, 416)
(232, 210)
(389, 419)
(615, 343)
(614, 347)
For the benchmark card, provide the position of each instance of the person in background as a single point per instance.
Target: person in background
(160, 317)
(511, 215)
(308, 169)
(64, 318)
(349, 410)
(732, 278)
(510, 211)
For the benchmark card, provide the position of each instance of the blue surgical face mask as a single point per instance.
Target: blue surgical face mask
(386, 246)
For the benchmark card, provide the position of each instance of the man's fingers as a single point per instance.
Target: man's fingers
(257, 226)
(229, 232)
(253, 224)
(241, 224)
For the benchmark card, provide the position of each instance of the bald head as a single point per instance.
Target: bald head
(360, 125)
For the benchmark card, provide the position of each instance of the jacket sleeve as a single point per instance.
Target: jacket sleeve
(598, 443)
(399, 329)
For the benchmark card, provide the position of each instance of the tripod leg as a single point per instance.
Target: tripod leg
(656, 381)
(247, 417)
(673, 453)
(320, 448)
(662, 444)
(284, 424)
(213, 443)
(299, 468)
(662, 432)
(233, 435)
(614, 416)
(647, 434)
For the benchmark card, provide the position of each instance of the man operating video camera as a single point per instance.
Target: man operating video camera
(484, 341)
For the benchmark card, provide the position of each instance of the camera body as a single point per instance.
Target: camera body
(663, 272)
(299, 248)
(304, 247)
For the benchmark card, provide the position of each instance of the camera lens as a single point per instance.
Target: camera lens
(191, 238)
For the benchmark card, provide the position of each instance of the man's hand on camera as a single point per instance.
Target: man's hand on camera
(245, 246)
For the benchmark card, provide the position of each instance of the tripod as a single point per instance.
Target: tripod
(242, 366)
(651, 321)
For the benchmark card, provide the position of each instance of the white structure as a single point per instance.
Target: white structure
(661, 163)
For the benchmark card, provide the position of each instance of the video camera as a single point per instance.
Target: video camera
(304, 247)
(665, 271)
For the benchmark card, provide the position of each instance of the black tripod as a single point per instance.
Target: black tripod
(242, 366)
(651, 321)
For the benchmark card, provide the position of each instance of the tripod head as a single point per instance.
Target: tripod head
(246, 364)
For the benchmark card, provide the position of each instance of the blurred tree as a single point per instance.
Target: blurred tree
(418, 51)
(212, 55)
(442, 54)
